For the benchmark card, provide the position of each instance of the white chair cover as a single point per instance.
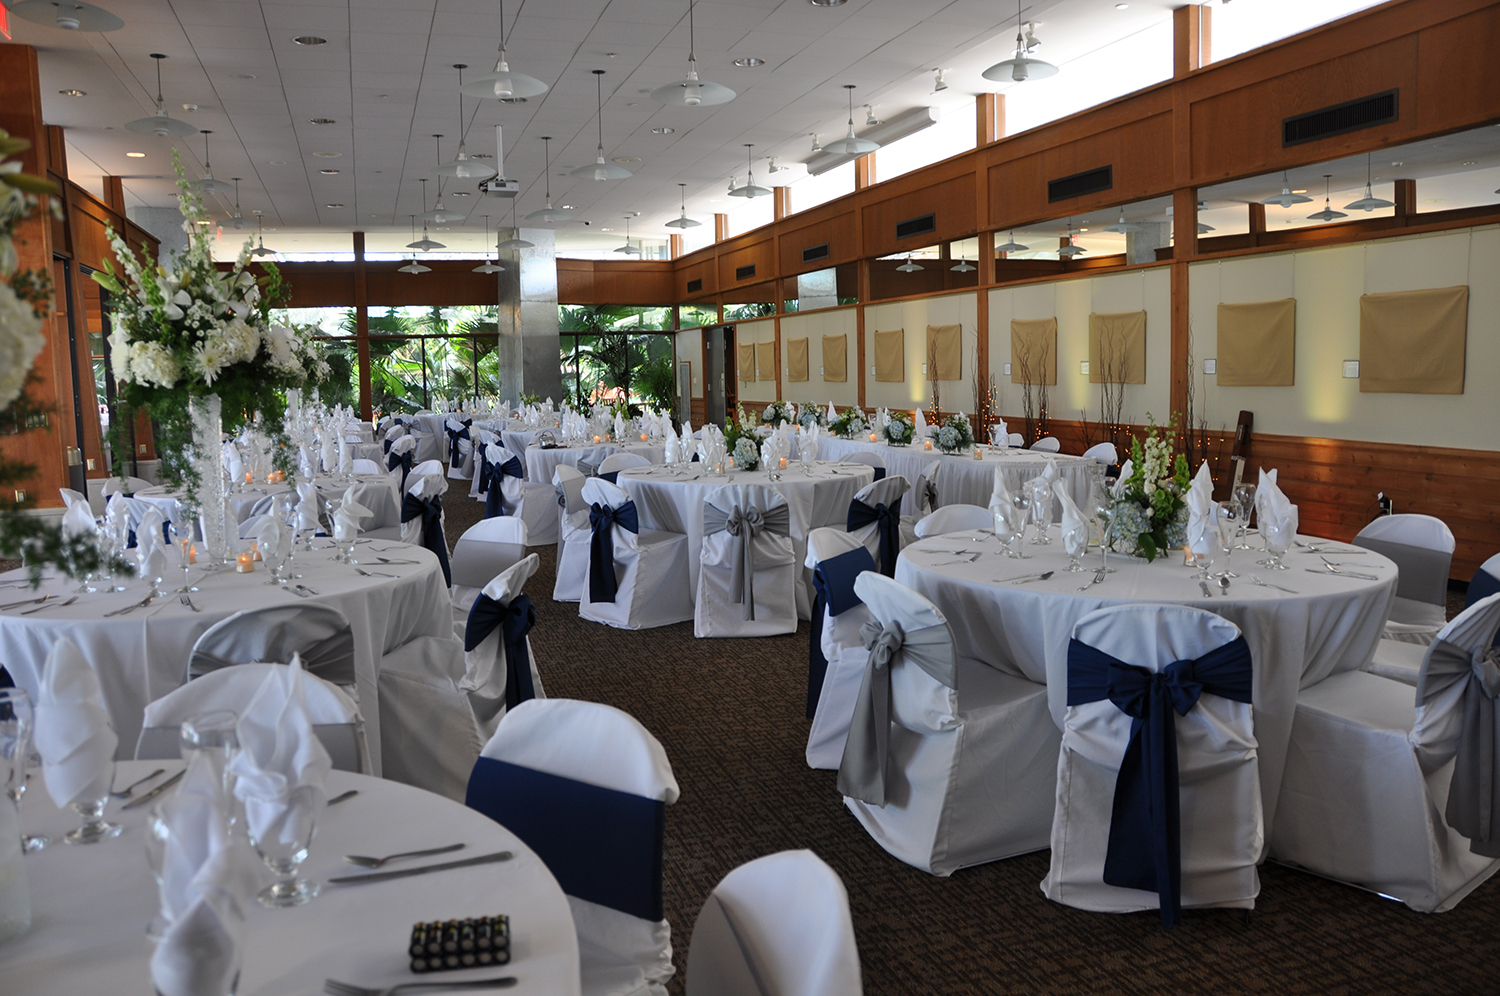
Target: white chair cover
(869, 460)
(534, 502)
(69, 496)
(573, 533)
(124, 485)
(954, 519)
(1102, 453)
(747, 578)
(439, 703)
(463, 470)
(1047, 444)
(602, 746)
(428, 485)
(967, 770)
(335, 716)
(319, 634)
(616, 462)
(1222, 825)
(776, 925)
(1382, 785)
(482, 439)
(887, 492)
(361, 465)
(1016, 440)
(1422, 547)
(651, 570)
(430, 446)
(424, 468)
(384, 520)
(486, 549)
(844, 651)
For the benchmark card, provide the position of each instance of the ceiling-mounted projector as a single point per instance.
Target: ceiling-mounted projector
(498, 186)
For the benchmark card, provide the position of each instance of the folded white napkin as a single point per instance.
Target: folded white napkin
(150, 546)
(1278, 516)
(1075, 526)
(807, 442)
(233, 462)
(831, 413)
(307, 506)
(921, 425)
(1264, 483)
(619, 428)
(78, 520)
(1201, 513)
(1002, 503)
(346, 521)
(326, 449)
(1000, 434)
(275, 541)
(73, 733)
(281, 765)
(346, 456)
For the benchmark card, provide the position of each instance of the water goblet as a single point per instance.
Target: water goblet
(1041, 511)
(151, 569)
(1075, 544)
(182, 541)
(16, 721)
(1228, 524)
(95, 828)
(1245, 496)
(1015, 524)
(1279, 533)
(114, 546)
(281, 833)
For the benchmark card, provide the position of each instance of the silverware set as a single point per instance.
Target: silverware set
(49, 605)
(132, 607)
(425, 869)
(364, 861)
(334, 987)
(149, 796)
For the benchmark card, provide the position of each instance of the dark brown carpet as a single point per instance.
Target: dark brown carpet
(730, 714)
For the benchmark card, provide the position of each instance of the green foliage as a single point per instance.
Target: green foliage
(658, 384)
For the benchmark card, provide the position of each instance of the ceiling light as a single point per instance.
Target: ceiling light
(333, 206)
(1122, 225)
(1287, 197)
(1203, 229)
(1300, 190)
(1068, 249)
(1021, 67)
(691, 91)
(260, 249)
(849, 145)
(160, 124)
(329, 172)
(870, 119)
(749, 190)
(664, 130)
(1370, 202)
(549, 215)
(489, 265)
(569, 207)
(462, 193)
(277, 162)
(502, 84)
(909, 266)
(939, 84)
(1012, 245)
(310, 40)
(683, 221)
(135, 155)
(626, 160)
(827, 3)
(208, 185)
(439, 215)
(817, 146)
(513, 100)
(963, 267)
(84, 93)
(517, 242)
(436, 214)
(627, 248)
(1467, 162)
(461, 167)
(238, 219)
(328, 155)
(244, 76)
(1032, 41)
(1328, 213)
(749, 62)
(1122, 6)
(321, 121)
(599, 169)
(413, 268)
(70, 15)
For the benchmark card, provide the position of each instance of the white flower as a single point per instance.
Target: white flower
(20, 340)
(119, 352)
(240, 341)
(183, 299)
(1150, 488)
(153, 363)
(281, 347)
(210, 357)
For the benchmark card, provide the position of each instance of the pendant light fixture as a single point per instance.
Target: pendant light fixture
(1369, 202)
(502, 84)
(600, 170)
(208, 186)
(439, 215)
(238, 220)
(749, 190)
(517, 242)
(849, 145)
(1069, 249)
(1328, 213)
(462, 167)
(1122, 225)
(1286, 198)
(1012, 245)
(489, 265)
(817, 146)
(160, 124)
(909, 266)
(964, 266)
(261, 250)
(549, 215)
(425, 244)
(683, 222)
(70, 15)
(627, 248)
(1020, 67)
(413, 267)
(692, 92)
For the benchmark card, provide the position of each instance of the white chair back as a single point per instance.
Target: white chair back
(1016, 440)
(925, 491)
(1422, 547)
(887, 491)
(779, 924)
(69, 496)
(1102, 453)
(125, 485)
(485, 677)
(1453, 672)
(746, 579)
(427, 468)
(487, 548)
(360, 465)
(616, 462)
(570, 480)
(882, 537)
(954, 519)
(840, 632)
(319, 634)
(588, 742)
(867, 458)
(1047, 444)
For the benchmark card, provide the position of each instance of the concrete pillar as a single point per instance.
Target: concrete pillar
(1141, 245)
(528, 320)
(166, 224)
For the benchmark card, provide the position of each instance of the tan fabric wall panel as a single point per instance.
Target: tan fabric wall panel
(1258, 344)
(890, 356)
(1033, 343)
(1413, 342)
(1117, 348)
(835, 359)
(796, 359)
(945, 356)
(765, 361)
(747, 362)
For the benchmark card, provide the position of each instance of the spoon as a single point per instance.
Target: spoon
(368, 862)
(1039, 577)
(373, 574)
(1224, 584)
(50, 605)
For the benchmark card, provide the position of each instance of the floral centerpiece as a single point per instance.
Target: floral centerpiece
(778, 412)
(851, 422)
(898, 429)
(955, 434)
(741, 443)
(811, 415)
(1150, 515)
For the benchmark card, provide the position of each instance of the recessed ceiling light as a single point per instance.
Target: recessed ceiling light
(73, 93)
(647, 90)
(135, 155)
(1471, 162)
(827, 3)
(328, 155)
(333, 205)
(244, 76)
(321, 121)
(328, 172)
(512, 100)
(1122, 6)
(481, 155)
(310, 40)
(627, 160)
(278, 162)
(664, 130)
(1398, 162)
(1302, 191)
(462, 193)
(749, 62)
(606, 229)
(189, 107)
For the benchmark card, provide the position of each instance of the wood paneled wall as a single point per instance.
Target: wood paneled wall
(591, 281)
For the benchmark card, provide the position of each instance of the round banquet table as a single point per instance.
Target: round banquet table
(90, 904)
(963, 479)
(540, 463)
(671, 499)
(242, 499)
(142, 655)
(1331, 624)
(519, 436)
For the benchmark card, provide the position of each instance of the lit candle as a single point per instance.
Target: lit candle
(783, 463)
(245, 563)
(872, 437)
(643, 437)
(249, 477)
(598, 439)
(926, 444)
(978, 453)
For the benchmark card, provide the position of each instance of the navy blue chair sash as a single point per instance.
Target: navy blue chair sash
(455, 456)
(514, 621)
(602, 845)
(402, 460)
(879, 474)
(1483, 586)
(430, 511)
(612, 477)
(385, 445)
(887, 519)
(603, 586)
(1145, 841)
(833, 589)
(494, 495)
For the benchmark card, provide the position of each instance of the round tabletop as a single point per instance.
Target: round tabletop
(142, 654)
(90, 904)
(1321, 623)
(540, 463)
(242, 499)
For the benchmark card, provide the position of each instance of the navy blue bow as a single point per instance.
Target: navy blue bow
(1483, 586)
(1145, 837)
(430, 510)
(602, 519)
(385, 445)
(833, 588)
(494, 494)
(455, 457)
(879, 473)
(402, 460)
(612, 476)
(514, 621)
(887, 519)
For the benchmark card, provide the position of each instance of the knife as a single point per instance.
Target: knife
(383, 876)
(1345, 574)
(156, 791)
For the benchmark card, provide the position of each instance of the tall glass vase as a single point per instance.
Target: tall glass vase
(208, 436)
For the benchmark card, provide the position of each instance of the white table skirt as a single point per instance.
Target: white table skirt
(541, 463)
(672, 499)
(963, 479)
(143, 655)
(90, 905)
(1332, 624)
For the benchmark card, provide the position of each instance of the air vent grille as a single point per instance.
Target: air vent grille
(1078, 184)
(812, 253)
(1366, 112)
(695, 285)
(916, 226)
(744, 272)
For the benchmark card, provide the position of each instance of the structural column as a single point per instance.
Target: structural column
(362, 326)
(527, 320)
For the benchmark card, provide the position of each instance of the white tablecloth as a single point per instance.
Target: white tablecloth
(1332, 623)
(143, 655)
(242, 500)
(541, 463)
(517, 437)
(671, 498)
(90, 905)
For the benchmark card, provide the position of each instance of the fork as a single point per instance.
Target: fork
(1267, 584)
(132, 607)
(365, 861)
(189, 602)
(374, 574)
(1098, 576)
(336, 988)
(48, 605)
(26, 601)
(129, 790)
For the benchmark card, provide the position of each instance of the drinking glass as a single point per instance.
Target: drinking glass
(95, 828)
(1228, 524)
(1015, 524)
(158, 836)
(182, 540)
(1278, 535)
(16, 721)
(1245, 496)
(152, 578)
(1106, 520)
(1076, 544)
(281, 833)
(1040, 493)
(113, 545)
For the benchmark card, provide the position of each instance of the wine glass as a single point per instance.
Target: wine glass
(1279, 534)
(1228, 524)
(281, 832)
(1015, 527)
(1075, 544)
(16, 720)
(1040, 493)
(1245, 496)
(158, 836)
(115, 537)
(181, 534)
(95, 828)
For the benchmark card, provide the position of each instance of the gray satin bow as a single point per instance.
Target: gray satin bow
(862, 772)
(745, 525)
(1474, 793)
(929, 490)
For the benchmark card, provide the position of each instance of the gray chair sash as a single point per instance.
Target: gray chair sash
(745, 525)
(1474, 793)
(1424, 572)
(862, 772)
